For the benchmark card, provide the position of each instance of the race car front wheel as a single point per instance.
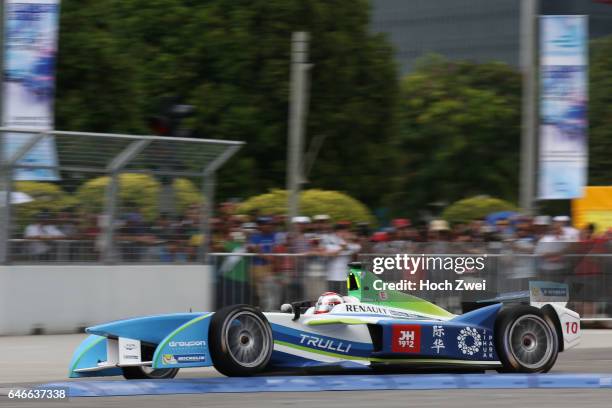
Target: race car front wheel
(240, 341)
(148, 373)
(525, 340)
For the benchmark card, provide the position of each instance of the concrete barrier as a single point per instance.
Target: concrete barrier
(62, 298)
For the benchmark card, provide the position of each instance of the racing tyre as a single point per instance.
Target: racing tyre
(148, 373)
(240, 341)
(525, 340)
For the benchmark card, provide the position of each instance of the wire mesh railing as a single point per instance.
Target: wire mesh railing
(269, 280)
(91, 197)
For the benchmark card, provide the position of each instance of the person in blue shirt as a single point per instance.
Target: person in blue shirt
(262, 243)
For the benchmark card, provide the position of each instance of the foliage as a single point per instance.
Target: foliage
(459, 132)
(337, 205)
(185, 193)
(600, 106)
(123, 59)
(139, 191)
(474, 208)
(46, 196)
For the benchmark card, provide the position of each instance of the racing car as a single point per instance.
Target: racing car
(368, 329)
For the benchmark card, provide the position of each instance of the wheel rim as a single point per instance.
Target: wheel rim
(531, 341)
(246, 338)
(156, 372)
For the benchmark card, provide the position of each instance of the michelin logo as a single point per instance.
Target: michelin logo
(192, 343)
(169, 359)
(190, 358)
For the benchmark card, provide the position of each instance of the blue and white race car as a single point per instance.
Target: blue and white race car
(368, 329)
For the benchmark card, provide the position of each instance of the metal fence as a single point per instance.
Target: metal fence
(106, 198)
(272, 279)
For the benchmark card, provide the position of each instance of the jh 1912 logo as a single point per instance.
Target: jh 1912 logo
(406, 338)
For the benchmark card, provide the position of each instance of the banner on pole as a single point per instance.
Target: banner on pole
(28, 84)
(563, 156)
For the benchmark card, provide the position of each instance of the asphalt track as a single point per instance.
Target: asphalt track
(589, 366)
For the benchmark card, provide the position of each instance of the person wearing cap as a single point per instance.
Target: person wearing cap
(322, 228)
(439, 235)
(399, 223)
(541, 226)
(300, 243)
(380, 242)
(570, 233)
(404, 236)
(321, 218)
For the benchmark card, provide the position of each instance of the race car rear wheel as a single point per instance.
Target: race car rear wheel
(148, 373)
(525, 341)
(240, 340)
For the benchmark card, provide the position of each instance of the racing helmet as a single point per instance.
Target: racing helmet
(327, 301)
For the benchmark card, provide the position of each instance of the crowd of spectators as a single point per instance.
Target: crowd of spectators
(520, 247)
(68, 236)
(172, 238)
(250, 260)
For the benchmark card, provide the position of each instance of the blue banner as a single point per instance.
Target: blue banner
(563, 139)
(30, 48)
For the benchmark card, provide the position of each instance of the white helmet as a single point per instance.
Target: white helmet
(327, 301)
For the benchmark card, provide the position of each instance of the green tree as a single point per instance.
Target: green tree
(119, 59)
(474, 208)
(337, 205)
(459, 132)
(600, 106)
(45, 197)
(139, 191)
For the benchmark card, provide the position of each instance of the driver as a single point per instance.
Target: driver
(327, 301)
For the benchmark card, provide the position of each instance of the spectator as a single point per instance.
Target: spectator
(89, 233)
(192, 228)
(234, 276)
(439, 236)
(134, 236)
(362, 231)
(406, 233)
(322, 228)
(299, 242)
(380, 242)
(284, 266)
(340, 247)
(169, 240)
(589, 272)
(523, 267)
(262, 243)
(42, 232)
(67, 224)
(570, 233)
(541, 225)
(551, 247)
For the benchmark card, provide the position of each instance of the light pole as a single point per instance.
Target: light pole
(298, 100)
